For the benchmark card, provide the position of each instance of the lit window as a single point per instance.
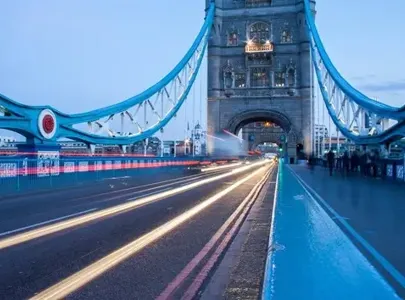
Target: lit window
(259, 32)
(259, 77)
(232, 39)
(286, 37)
(279, 79)
(240, 80)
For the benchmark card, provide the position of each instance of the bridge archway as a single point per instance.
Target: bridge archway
(284, 127)
(242, 119)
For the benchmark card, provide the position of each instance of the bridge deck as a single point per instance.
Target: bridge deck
(311, 255)
(375, 208)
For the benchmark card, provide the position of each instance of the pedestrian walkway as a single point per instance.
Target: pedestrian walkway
(310, 256)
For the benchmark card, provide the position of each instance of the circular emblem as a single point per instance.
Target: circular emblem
(47, 123)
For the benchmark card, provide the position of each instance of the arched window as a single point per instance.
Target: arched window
(286, 37)
(259, 32)
(233, 37)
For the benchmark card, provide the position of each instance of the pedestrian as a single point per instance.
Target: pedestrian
(346, 163)
(331, 161)
(363, 164)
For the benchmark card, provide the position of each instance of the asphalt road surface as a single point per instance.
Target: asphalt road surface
(121, 239)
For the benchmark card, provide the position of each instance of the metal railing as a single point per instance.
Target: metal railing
(384, 168)
(25, 174)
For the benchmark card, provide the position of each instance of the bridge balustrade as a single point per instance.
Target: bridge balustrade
(19, 174)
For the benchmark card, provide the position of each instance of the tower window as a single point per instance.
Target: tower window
(259, 32)
(240, 80)
(259, 77)
(279, 79)
(286, 37)
(232, 38)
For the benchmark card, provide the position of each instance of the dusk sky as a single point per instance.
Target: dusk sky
(80, 55)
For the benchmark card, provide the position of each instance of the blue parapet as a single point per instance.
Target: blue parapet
(49, 171)
(310, 257)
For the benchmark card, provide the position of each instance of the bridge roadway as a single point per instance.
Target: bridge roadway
(39, 245)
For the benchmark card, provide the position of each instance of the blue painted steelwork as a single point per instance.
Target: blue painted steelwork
(23, 118)
(377, 107)
(310, 257)
(393, 133)
(350, 97)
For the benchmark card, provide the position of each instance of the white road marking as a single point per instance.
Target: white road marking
(47, 222)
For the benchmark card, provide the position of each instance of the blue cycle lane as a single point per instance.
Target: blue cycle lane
(310, 257)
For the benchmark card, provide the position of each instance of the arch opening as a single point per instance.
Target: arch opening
(262, 127)
(268, 118)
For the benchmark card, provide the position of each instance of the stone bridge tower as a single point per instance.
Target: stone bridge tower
(259, 70)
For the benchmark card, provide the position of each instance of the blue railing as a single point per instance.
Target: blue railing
(18, 174)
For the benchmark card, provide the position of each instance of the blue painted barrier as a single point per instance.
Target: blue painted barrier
(310, 257)
(19, 174)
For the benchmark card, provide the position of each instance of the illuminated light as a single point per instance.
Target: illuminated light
(237, 215)
(221, 167)
(79, 279)
(249, 42)
(214, 137)
(231, 134)
(49, 229)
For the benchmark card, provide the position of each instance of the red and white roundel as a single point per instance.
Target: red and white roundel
(47, 123)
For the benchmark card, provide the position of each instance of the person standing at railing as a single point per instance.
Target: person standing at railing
(346, 163)
(354, 161)
(331, 161)
(363, 164)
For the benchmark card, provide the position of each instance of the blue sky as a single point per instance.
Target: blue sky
(79, 55)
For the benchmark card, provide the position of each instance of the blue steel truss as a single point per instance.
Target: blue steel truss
(45, 125)
(360, 118)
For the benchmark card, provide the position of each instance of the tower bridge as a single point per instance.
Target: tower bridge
(187, 225)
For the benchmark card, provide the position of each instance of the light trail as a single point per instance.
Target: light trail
(215, 137)
(201, 277)
(221, 167)
(47, 222)
(237, 214)
(134, 189)
(81, 278)
(231, 134)
(46, 230)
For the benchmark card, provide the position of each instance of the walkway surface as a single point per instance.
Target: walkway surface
(375, 208)
(310, 256)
